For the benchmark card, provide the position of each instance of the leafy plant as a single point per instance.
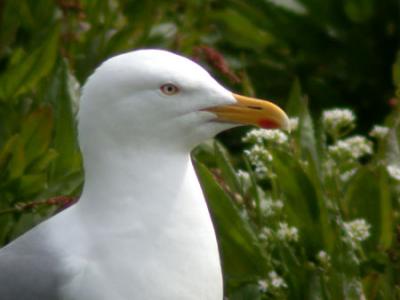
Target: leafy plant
(310, 214)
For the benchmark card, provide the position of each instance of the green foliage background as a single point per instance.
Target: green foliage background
(310, 54)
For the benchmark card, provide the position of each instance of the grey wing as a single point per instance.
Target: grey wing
(27, 276)
(40, 265)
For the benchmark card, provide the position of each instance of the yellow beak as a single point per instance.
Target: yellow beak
(252, 111)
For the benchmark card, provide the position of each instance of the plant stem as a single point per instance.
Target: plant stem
(62, 201)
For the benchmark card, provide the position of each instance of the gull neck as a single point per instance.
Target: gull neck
(133, 181)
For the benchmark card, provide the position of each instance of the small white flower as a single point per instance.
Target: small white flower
(276, 280)
(265, 234)
(354, 287)
(275, 136)
(258, 157)
(379, 132)
(253, 136)
(243, 176)
(286, 233)
(323, 258)
(347, 175)
(271, 207)
(261, 170)
(335, 120)
(357, 230)
(277, 204)
(262, 285)
(293, 123)
(330, 165)
(258, 153)
(353, 147)
(394, 171)
(266, 207)
(259, 136)
(304, 163)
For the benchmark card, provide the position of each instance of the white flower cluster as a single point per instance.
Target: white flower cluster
(324, 259)
(394, 171)
(330, 166)
(286, 233)
(263, 285)
(353, 147)
(346, 176)
(277, 205)
(354, 287)
(258, 157)
(271, 207)
(357, 230)
(265, 234)
(258, 153)
(244, 179)
(259, 136)
(274, 281)
(262, 171)
(379, 132)
(335, 120)
(243, 176)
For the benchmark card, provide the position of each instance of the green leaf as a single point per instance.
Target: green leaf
(31, 184)
(44, 161)
(26, 74)
(65, 136)
(246, 292)
(9, 21)
(392, 147)
(7, 150)
(36, 132)
(243, 32)
(359, 11)
(68, 185)
(25, 222)
(228, 172)
(6, 225)
(301, 201)
(396, 72)
(17, 164)
(370, 199)
(254, 188)
(307, 135)
(293, 104)
(386, 210)
(297, 105)
(242, 255)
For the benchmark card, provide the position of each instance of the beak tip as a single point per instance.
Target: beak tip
(252, 111)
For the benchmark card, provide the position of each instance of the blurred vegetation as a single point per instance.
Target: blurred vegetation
(287, 238)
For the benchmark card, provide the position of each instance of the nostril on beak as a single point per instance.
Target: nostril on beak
(255, 107)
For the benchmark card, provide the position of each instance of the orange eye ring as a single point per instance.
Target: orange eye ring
(169, 89)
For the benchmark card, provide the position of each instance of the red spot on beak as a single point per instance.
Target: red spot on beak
(268, 124)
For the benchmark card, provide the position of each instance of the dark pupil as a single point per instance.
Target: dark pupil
(170, 88)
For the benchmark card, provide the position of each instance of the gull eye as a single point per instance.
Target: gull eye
(169, 89)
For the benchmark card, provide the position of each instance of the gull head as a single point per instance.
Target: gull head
(153, 98)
